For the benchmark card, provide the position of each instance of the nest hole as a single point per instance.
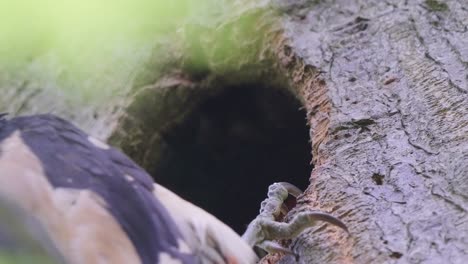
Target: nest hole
(224, 155)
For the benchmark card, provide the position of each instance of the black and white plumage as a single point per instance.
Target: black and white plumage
(97, 205)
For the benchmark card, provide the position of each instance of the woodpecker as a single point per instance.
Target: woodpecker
(96, 205)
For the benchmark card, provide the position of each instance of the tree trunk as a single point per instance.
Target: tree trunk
(389, 126)
(384, 85)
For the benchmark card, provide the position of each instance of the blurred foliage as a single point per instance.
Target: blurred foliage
(87, 48)
(93, 48)
(11, 258)
(33, 27)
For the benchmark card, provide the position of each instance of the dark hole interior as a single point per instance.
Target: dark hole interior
(225, 154)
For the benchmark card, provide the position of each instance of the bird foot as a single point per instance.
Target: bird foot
(264, 229)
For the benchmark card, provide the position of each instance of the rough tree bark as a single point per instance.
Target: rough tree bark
(385, 87)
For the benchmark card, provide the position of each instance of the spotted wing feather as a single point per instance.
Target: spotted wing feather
(69, 160)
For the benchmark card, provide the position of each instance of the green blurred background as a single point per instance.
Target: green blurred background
(87, 48)
(91, 49)
(32, 27)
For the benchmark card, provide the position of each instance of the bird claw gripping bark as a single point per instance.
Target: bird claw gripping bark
(264, 229)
